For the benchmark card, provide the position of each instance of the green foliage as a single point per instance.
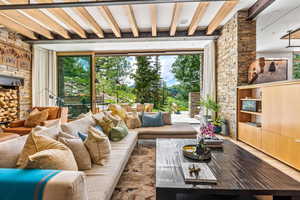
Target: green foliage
(296, 66)
(210, 105)
(147, 80)
(186, 69)
(111, 75)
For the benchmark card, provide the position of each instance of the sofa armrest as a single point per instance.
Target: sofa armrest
(67, 185)
(49, 123)
(18, 123)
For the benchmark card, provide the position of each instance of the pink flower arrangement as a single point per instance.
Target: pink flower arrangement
(208, 130)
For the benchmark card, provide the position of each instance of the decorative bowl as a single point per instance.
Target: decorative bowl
(189, 151)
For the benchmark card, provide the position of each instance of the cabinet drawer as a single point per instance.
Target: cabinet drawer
(293, 154)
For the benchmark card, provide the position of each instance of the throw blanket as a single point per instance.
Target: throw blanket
(25, 184)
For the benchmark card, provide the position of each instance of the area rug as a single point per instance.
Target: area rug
(138, 179)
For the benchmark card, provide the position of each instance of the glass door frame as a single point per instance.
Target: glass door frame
(146, 53)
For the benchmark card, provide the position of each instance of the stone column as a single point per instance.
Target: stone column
(236, 49)
(194, 98)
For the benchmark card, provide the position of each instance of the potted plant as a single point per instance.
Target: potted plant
(210, 105)
(218, 122)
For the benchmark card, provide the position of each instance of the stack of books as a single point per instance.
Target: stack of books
(213, 142)
(197, 173)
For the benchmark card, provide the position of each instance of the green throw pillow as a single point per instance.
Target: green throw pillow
(119, 132)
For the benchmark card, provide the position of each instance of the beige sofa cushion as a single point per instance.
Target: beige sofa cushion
(36, 118)
(110, 173)
(79, 150)
(10, 151)
(182, 130)
(81, 125)
(46, 153)
(98, 145)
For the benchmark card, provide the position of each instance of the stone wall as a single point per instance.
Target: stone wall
(19, 68)
(194, 98)
(236, 49)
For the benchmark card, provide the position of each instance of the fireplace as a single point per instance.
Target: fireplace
(9, 99)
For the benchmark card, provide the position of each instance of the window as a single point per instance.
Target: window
(74, 83)
(296, 65)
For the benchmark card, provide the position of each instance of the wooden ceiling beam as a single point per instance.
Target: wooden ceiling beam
(10, 24)
(65, 18)
(46, 4)
(200, 11)
(226, 8)
(44, 19)
(27, 22)
(84, 14)
(132, 20)
(175, 18)
(153, 11)
(258, 7)
(110, 20)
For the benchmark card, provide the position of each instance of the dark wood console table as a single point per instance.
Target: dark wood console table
(239, 174)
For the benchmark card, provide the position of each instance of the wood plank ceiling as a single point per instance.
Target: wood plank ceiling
(58, 23)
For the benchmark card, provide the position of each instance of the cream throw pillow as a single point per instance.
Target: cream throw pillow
(98, 145)
(46, 153)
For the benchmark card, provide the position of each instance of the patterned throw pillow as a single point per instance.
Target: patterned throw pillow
(133, 121)
(36, 117)
(98, 145)
(106, 124)
(119, 132)
(43, 152)
(149, 120)
(114, 118)
(117, 110)
(79, 150)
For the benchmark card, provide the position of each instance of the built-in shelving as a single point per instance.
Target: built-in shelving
(249, 112)
(248, 99)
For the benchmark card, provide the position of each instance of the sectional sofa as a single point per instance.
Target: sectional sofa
(97, 183)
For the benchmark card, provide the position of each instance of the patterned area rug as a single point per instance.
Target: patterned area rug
(138, 179)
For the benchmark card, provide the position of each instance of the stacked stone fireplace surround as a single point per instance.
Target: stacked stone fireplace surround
(15, 61)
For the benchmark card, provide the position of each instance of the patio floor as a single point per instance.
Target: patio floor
(184, 117)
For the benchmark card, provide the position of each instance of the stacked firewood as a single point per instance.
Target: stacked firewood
(8, 105)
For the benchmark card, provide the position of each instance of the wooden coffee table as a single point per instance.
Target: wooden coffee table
(239, 173)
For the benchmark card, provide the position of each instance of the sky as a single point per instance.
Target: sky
(166, 66)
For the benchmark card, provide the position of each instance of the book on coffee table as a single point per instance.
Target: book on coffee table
(192, 174)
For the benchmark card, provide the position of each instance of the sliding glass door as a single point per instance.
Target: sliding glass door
(74, 83)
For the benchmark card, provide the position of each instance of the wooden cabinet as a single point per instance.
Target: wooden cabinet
(290, 114)
(279, 135)
(271, 107)
(250, 134)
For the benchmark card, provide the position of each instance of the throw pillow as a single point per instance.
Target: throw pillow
(133, 121)
(53, 112)
(79, 150)
(46, 153)
(114, 118)
(167, 118)
(82, 136)
(36, 118)
(98, 145)
(119, 132)
(117, 110)
(106, 124)
(149, 120)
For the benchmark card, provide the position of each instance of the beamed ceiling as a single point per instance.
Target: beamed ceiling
(77, 19)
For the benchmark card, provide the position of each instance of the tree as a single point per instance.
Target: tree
(112, 72)
(186, 70)
(147, 79)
